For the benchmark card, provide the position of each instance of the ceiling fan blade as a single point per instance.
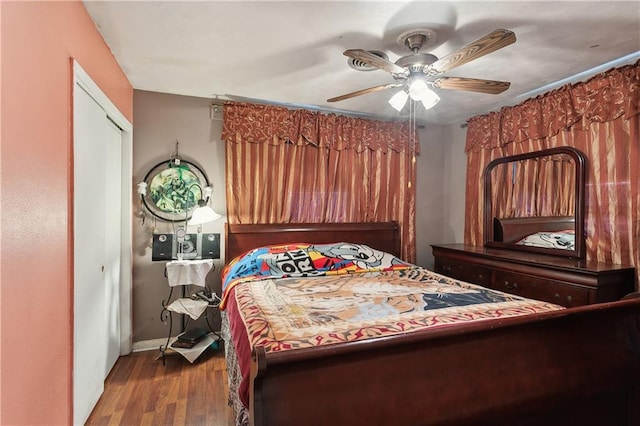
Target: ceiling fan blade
(492, 87)
(487, 44)
(376, 61)
(365, 91)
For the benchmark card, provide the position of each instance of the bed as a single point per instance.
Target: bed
(549, 365)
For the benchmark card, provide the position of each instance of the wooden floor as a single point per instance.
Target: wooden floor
(141, 391)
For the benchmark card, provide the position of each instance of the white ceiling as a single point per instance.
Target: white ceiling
(291, 52)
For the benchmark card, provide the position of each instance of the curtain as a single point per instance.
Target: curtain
(534, 187)
(600, 117)
(297, 166)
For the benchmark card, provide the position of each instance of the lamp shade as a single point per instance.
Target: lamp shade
(398, 100)
(429, 98)
(203, 214)
(418, 91)
(417, 88)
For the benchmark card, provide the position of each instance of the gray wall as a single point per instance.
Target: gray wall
(161, 119)
(455, 172)
(440, 189)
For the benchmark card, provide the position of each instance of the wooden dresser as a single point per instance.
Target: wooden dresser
(564, 281)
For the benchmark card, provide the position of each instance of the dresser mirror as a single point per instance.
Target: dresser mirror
(535, 202)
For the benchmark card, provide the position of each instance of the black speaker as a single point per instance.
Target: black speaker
(162, 248)
(210, 246)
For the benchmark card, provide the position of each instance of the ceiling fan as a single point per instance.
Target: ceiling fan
(414, 73)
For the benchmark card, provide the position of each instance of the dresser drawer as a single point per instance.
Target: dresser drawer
(564, 281)
(463, 271)
(541, 289)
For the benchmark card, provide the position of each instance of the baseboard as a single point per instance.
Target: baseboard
(149, 345)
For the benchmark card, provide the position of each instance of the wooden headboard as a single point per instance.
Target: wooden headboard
(384, 236)
(511, 230)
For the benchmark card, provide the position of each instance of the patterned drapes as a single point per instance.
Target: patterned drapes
(534, 187)
(297, 166)
(600, 117)
(254, 123)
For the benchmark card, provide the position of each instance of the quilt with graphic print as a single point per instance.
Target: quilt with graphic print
(299, 312)
(305, 260)
(297, 296)
(302, 295)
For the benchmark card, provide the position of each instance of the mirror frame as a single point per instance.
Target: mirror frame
(579, 207)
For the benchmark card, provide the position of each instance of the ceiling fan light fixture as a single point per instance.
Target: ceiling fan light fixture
(398, 100)
(429, 99)
(417, 89)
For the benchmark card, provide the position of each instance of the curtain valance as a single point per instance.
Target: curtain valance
(603, 98)
(274, 125)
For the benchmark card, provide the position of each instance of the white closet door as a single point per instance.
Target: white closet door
(113, 211)
(90, 331)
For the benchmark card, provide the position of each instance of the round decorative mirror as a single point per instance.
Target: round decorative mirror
(174, 188)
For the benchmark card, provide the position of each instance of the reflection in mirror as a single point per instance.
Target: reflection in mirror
(535, 202)
(542, 186)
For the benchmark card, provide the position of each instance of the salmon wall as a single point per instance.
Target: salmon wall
(38, 42)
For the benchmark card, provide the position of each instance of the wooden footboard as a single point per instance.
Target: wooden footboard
(578, 366)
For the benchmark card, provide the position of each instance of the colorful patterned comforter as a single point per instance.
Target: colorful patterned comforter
(305, 260)
(294, 313)
(348, 293)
